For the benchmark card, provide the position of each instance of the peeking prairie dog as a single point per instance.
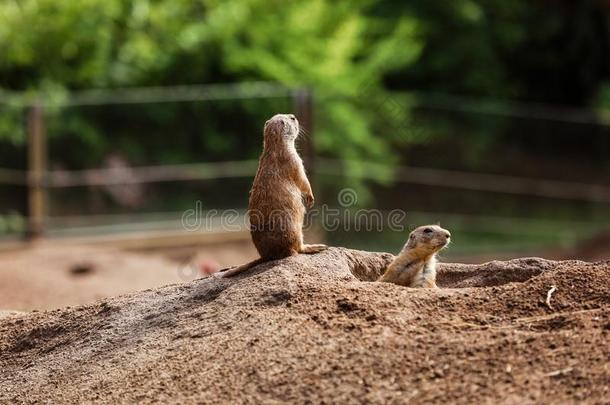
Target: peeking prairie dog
(415, 265)
(276, 209)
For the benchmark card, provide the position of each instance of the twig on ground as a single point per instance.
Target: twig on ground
(548, 296)
(559, 372)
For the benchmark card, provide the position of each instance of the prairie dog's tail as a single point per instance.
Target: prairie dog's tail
(239, 269)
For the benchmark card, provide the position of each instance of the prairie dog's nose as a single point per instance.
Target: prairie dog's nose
(292, 117)
(447, 234)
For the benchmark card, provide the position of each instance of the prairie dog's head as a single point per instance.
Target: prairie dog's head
(281, 127)
(428, 239)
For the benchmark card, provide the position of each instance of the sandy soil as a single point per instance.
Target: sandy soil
(312, 328)
(49, 276)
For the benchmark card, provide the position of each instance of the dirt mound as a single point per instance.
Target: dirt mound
(310, 327)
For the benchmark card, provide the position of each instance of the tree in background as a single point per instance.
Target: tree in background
(334, 47)
(352, 53)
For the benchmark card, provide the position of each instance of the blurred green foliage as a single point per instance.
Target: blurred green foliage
(349, 52)
(334, 47)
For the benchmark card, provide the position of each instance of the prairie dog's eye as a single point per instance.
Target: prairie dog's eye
(427, 230)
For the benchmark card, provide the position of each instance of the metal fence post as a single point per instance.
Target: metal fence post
(37, 170)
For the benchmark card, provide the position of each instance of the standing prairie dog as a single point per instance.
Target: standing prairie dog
(415, 265)
(276, 210)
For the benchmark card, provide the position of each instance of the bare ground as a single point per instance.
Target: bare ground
(49, 276)
(312, 328)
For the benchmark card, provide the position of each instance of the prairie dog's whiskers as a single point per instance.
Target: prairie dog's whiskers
(303, 132)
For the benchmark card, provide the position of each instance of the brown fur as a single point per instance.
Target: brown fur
(415, 265)
(276, 210)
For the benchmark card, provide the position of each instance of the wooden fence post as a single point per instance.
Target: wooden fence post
(303, 107)
(37, 171)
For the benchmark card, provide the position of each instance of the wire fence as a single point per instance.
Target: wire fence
(149, 95)
(38, 180)
(262, 90)
(547, 188)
